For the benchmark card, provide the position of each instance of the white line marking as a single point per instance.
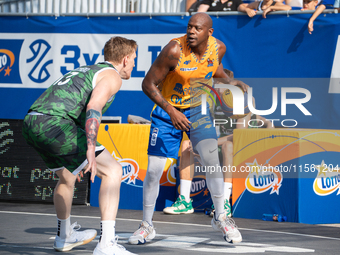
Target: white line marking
(177, 223)
(31, 247)
(289, 233)
(246, 247)
(188, 243)
(37, 247)
(180, 242)
(251, 250)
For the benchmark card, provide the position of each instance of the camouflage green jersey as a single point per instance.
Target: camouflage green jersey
(68, 96)
(55, 124)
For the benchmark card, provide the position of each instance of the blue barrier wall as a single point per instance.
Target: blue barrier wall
(265, 53)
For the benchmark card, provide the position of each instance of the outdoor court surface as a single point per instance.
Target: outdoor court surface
(30, 229)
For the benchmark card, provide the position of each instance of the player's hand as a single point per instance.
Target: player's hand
(193, 153)
(92, 166)
(242, 85)
(310, 27)
(79, 176)
(179, 120)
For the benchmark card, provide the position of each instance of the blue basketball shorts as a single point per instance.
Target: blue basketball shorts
(165, 139)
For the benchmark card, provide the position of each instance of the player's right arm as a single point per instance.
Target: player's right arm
(220, 72)
(165, 62)
(107, 84)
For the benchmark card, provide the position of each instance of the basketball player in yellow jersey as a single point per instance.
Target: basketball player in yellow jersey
(195, 55)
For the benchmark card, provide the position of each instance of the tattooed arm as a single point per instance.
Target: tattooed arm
(165, 62)
(107, 84)
(93, 118)
(92, 123)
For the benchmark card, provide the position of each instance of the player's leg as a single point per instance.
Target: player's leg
(204, 141)
(110, 173)
(146, 231)
(63, 193)
(151, 187)
(227, 152)
(164, 142)
(226, 144)
(208, 151)
(186, 172)
(183, 204)
(68, 235)
(62, 199)
(38, 130)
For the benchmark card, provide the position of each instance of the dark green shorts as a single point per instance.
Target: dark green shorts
(60, 142)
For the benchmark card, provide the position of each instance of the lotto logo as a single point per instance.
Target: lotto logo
(9, 61)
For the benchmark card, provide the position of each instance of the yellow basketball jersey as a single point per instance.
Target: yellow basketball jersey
(176, 87)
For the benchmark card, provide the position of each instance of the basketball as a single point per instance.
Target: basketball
(227, 104)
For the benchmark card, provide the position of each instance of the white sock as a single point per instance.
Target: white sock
(185, 188)
(227, 190)
(107, 232)
(64, 227)
(219, 206)
(148, 211)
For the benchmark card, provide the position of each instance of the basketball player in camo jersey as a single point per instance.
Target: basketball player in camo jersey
(195, 55)
(62, 126)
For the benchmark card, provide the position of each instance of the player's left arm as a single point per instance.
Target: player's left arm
(220, 72)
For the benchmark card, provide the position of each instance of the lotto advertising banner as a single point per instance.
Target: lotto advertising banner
(291, 172)
(128, 144)
(279, 64)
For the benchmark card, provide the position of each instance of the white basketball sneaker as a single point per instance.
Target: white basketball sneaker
(227, 226)
(113, 249)
(143, 234)
(75, 238)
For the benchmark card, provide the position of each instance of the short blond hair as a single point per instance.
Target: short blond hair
(117, 48)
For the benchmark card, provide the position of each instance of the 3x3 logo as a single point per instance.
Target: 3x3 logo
(9, 61)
